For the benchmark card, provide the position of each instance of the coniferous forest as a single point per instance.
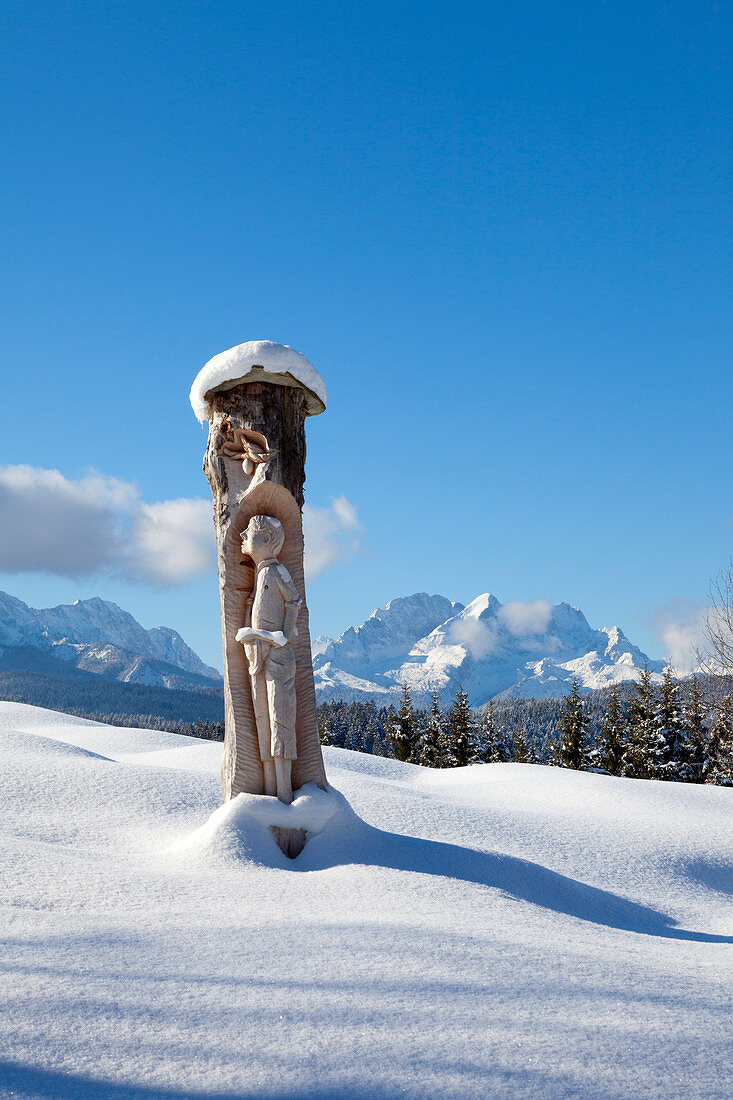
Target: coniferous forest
(681, 731)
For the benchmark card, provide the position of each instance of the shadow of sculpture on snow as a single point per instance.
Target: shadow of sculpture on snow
(239, 831)
(348, 839)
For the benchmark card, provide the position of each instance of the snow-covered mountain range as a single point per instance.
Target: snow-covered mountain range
(96, 636)
(432, 644)
(491, 649)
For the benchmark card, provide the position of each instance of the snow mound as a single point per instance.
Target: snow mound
(231, 367)
(240, 830)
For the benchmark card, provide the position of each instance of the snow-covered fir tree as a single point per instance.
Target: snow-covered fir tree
(403, 732)
(639, 757)
(574, 721)
(325, 732)
(495, 748)
(371, 730)
(719, 762)
(694, 713)
(669, 747)
(459, 730)
(383, 746)
(521, 748)
(614, 735)
(430, 747)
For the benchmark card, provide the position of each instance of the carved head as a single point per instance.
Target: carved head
(263, 538)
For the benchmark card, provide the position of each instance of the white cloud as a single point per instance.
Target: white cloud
(95, 524)
(525, 618)
(680, 630)
(171, 542)
(479, 638)
(99, 525)
(345, 513)
(331, 534)
(51, 524)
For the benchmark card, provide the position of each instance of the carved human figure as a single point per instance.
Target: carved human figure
(244, 444)
(271, 614)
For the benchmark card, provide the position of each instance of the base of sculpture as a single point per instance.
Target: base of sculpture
(291, 842)
(255, 828)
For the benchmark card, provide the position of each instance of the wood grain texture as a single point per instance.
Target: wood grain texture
(274, 489)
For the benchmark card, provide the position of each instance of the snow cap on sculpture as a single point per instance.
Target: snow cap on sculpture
(258, 361)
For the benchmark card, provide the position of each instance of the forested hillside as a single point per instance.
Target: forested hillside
(90, 696)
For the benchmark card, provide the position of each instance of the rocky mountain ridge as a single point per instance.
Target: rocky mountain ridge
(493, 650)
(98, 637)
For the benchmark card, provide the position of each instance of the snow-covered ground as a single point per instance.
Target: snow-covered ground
(499, 931)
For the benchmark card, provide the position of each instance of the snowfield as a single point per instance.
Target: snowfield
(505, 930)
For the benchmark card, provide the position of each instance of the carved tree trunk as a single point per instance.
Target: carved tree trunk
(274, 489)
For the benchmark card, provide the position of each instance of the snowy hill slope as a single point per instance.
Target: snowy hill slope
(499, 931)
(98, 637)
(489, 648)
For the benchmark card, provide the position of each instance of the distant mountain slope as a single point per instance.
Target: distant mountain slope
(97, 637)
(491, 649)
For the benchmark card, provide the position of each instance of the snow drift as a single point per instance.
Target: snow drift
(511, 931)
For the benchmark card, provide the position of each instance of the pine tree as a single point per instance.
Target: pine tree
(459, 730)
(693, 719)
(495, 748)
(669, 745)
(403, 733)
(371, 730)
(430, 747)
(573, 727)
(521, 748)
(719, 762)
(478, 749)
(326, 733)
(638, 759)
(613, 735)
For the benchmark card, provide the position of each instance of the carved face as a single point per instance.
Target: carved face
(260, 542)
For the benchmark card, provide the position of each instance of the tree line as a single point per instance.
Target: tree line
(679, 731)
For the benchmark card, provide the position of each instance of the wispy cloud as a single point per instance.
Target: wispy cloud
(479, 638)
(525, 618)
(171, 542)
(680, 630)
(331, 534)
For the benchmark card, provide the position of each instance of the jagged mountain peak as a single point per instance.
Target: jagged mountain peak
(388, 633)
(482, 606)
(521, 647)
(73, 628)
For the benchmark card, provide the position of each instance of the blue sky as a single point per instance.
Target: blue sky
(501, 231)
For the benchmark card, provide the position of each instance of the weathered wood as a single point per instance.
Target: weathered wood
(278, 412)
(275, 488)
